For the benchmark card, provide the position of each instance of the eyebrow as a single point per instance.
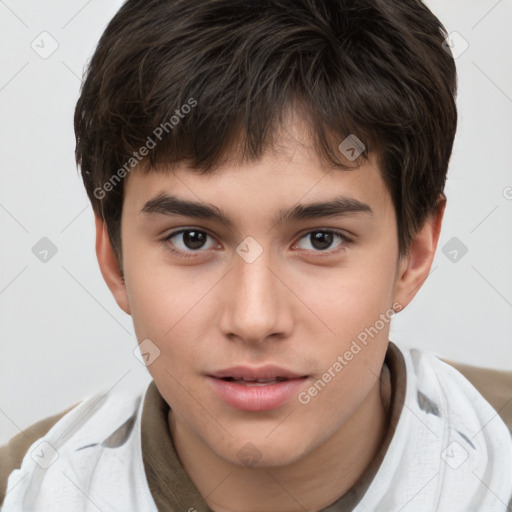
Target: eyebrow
(168, 204)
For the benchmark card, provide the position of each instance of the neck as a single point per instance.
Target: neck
(312, 483)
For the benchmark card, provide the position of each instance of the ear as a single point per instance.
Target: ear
(109, 266)
(413, 269)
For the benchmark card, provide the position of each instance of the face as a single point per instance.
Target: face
(250, 296)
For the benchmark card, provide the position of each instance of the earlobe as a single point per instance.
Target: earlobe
(109, 266)
(414, 269)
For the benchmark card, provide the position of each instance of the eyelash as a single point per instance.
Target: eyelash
(167, 242)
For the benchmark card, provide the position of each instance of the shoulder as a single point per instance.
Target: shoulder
(98, 436)
(13, 453)
(494, 385)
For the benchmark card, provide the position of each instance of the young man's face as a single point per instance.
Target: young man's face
(257, 293)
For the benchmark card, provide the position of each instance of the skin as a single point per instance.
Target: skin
(293, 307)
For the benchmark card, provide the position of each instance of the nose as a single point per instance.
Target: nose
(256, 301)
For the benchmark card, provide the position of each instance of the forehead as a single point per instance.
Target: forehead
(289, 172)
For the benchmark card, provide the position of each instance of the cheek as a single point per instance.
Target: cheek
(160, 298)
(173, 310)
(352, 298)
(354, 308)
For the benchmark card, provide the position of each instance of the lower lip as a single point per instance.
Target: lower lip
(256, 398)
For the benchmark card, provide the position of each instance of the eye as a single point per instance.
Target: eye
(190, 241)
(187, 241)
(323, 239)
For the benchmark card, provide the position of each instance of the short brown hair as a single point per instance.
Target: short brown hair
(377, 69)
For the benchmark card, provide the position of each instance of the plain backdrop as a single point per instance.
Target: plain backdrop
(62, 335)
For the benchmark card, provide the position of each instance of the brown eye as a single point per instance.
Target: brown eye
(188, 240)
(321, 240)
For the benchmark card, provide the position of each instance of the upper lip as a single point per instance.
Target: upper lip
(262, 372)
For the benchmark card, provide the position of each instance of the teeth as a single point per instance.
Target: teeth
(256, 382)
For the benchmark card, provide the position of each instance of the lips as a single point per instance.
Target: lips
(255, 389)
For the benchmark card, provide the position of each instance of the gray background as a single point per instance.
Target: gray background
(63, 337)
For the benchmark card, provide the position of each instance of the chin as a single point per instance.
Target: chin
(264, 453)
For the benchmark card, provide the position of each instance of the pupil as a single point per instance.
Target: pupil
(188, 238)
(321, 240)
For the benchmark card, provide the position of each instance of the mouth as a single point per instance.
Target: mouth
(256, 389)
(255, 382)
(267, 373)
